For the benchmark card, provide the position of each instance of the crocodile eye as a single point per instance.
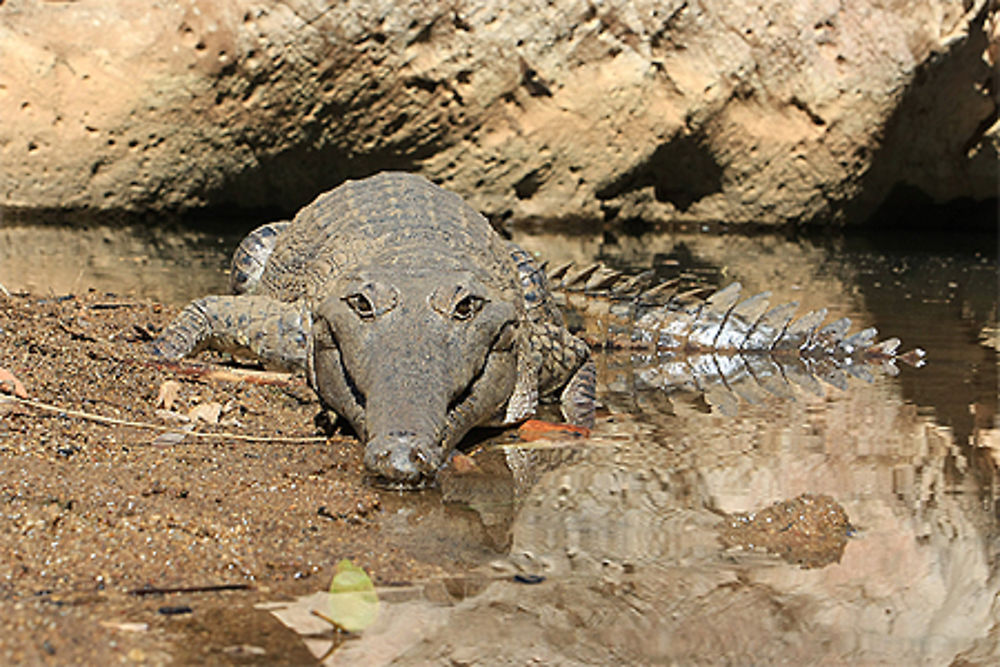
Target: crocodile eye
(467, 307)
(361, 305)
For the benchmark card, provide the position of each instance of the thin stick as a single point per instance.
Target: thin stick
(157, 427)
(337, 626)
(190, 589)
(225, 374)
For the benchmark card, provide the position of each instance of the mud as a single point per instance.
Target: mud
(93, 513)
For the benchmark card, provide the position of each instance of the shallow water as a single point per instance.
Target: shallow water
(610, 549)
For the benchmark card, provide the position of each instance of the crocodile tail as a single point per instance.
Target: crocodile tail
(724, 346)
(616, 311)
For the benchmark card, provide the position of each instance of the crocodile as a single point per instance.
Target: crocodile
(415, 322)
(412, 318)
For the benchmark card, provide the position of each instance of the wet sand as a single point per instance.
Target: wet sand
(97, 516)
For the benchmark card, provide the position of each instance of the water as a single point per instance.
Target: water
(173, 265)
(610, 550)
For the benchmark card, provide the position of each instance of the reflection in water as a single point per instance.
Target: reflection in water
(169, 265)
(624, 530)
(728, 347)
(622, 533)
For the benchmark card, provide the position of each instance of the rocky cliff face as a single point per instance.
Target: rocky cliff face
(764, 112)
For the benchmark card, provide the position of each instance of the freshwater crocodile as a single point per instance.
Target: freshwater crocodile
(415, 321)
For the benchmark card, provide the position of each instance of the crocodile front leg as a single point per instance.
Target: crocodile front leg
(275, 332)
(578, 400)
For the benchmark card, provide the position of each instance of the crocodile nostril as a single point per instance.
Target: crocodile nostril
(401, 456)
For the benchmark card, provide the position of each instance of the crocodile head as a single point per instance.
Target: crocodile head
(413, 361)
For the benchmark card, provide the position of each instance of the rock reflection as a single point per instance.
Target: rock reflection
(809, 530)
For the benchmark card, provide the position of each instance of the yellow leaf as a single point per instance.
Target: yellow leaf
(353, 600)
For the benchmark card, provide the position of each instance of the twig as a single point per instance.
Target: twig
(338, 638)
(157, 427)
(110, 305)
(151, 590)
(3, 290)
(225, 374)
(337, 626)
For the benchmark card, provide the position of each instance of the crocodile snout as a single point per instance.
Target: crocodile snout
(403, 457)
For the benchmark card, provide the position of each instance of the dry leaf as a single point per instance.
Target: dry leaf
(11, 385)
(207, 412)
(126, 627)
(463, 464)
(171, 416)
(173, 437)
(169, 392)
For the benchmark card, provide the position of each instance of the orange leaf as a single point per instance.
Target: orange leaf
(535, 429)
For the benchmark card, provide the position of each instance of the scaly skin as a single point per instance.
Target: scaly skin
(412, 318)
(721, 346)
(416, 322)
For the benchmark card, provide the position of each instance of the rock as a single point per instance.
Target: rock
(764, 111)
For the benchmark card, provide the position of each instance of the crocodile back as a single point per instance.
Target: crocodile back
(393, 220)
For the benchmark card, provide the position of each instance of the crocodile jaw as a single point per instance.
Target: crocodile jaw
(411, 457)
